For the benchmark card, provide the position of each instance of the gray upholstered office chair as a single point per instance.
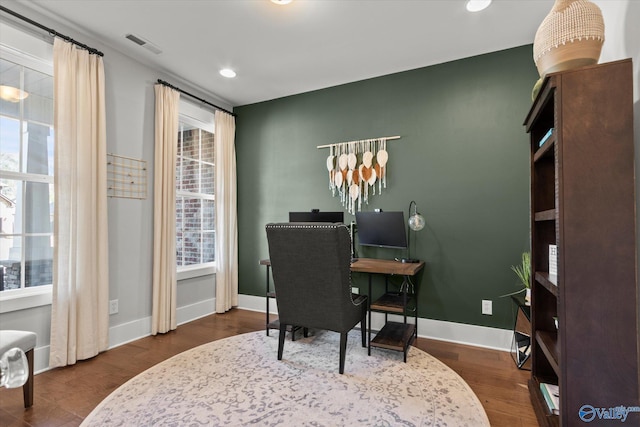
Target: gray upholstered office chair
(312, 277)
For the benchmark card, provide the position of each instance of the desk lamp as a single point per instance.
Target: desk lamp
(416, 223)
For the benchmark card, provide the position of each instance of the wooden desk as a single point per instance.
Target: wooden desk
(386, 266)
(379, 266)
(394, 335)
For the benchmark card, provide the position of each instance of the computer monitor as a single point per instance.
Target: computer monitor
(381, 229)
(316, 216)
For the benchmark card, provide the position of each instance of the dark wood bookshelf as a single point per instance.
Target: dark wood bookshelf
(544, 415)
(543, 278)
(548, 342)
(548, 215)
(545, 150)
(583, 201)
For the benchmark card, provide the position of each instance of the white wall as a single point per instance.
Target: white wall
(130, 128)
(622, 40)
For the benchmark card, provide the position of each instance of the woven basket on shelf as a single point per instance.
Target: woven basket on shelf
(570, 36)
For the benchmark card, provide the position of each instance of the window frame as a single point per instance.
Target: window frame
(203, 119)
(36, 54)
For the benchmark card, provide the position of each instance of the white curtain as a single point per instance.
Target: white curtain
(163, 315)
(226, 213)
(79, 311)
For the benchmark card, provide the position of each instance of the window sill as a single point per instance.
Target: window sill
(197, 271)
(22, 299)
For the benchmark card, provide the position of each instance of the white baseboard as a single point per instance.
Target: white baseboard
(195, 311)
(41, 359)
(254, 303)
(479, 336)
(131, 331)
(134, 330)
(460, 333)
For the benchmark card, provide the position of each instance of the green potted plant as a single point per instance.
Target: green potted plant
(523, 271)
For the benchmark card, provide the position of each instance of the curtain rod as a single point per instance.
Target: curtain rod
(52, 32)
(162, 82)
(387, 138)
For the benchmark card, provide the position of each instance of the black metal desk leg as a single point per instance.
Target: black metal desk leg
(415, 296)
(405, 290)
(369, 326)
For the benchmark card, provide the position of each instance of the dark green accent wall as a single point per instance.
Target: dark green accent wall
(463, 157)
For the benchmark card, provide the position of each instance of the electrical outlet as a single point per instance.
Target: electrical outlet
(487, 307)
(355, 290)
(113, 306)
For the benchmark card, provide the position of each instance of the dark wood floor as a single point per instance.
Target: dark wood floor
(64, 396)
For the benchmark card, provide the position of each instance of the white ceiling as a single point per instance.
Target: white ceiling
(306, 45)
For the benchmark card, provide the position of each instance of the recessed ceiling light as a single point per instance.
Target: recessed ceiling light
(281, 2)
(228, 72)
(477, 5)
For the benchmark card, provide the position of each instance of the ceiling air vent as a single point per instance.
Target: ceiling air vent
(144, 43)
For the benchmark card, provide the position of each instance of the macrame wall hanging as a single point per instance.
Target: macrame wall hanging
(355, 168)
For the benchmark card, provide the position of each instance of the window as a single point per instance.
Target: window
(195, 191)
(26, 171)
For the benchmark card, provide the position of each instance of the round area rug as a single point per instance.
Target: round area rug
(238, 381)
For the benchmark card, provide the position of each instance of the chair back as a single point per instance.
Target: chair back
(311, 273)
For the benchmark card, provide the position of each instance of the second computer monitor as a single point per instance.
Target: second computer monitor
(316, 216)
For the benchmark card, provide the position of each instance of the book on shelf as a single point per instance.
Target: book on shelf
(545, 137)
(553, 264)
(551, 394)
